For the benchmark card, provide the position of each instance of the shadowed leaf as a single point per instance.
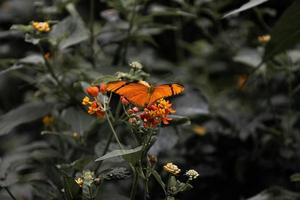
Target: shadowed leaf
(126, 153)
(286, 32)
(26, 113)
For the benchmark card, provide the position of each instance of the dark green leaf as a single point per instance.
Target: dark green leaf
(128, 154)
(158, 179)
(26, 113)
(69, 32)
(286, 32)
(276, 193)
(78, 120)
(295, 177)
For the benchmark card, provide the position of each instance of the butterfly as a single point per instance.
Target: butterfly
(142, 94)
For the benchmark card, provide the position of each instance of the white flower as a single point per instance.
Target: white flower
(136, 65)
(192, 174)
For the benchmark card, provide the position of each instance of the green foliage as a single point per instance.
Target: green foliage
(25, 113)
(237, 122)
(284, 34)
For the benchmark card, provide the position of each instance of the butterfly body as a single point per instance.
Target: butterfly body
(141, 93)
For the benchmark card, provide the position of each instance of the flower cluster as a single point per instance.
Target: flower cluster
(87, 178)
(42, 27)
(263, 39)
(171, 168)
(192, 174)
(48, 120)
(95, 107)
(157, 113)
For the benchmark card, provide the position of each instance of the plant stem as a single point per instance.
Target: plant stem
(126, 42)
(134, 185)
(52, 73)
(113, 130)
(9, 193)
(146, 189)
(109, 140)
(91, 26)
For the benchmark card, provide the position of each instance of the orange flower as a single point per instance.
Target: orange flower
(42, 27)
(93, 91)
(103, 88)
(199, 130)
(157, 113)
(263, 39)
(95, 108)
(47, 56)
(241, 81)
(48, 120)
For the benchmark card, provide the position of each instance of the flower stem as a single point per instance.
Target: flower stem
(9, 193)
(134, 184)
(52, 73)
(109, 140)
(91, 26)
(113, 130)
(126, 42)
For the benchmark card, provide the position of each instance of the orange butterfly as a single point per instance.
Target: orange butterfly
(141, 93)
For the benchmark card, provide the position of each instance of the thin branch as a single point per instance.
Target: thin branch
(9, 193)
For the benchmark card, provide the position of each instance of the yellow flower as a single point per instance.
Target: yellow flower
(199, 130)
(263, 39)
(43, 27)
(94, 107)
(171, 168)
(48, 120)
(192, 174)
(86, 101)
(79, 181)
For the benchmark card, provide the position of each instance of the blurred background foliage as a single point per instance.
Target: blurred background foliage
(242, 96)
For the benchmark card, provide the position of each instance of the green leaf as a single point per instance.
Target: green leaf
(276, 193)
(12, 68)
(25, 113)
(69, 32)
(78, 120)
(128, 154)
(112, 196)
(179, 120)
(286, 32)
(22, 28)
(70, 187)
(159, 180)
(246, 6)
(295, 177)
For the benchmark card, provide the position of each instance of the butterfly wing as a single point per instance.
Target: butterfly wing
(136, 93)
(115, 85)
(165, 90)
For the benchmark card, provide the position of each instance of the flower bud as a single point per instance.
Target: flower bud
(124, 101)
(93, 91)
(103, 88)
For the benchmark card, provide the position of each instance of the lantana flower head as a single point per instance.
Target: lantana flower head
(192, 174)
(95, 107)
(157, 113)
(171, 168)
(42, 27)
